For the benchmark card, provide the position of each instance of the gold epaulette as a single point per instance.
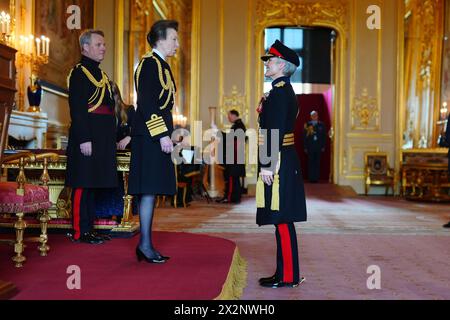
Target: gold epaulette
(280, 84)
(156, 125)
(100, 86)
(70, 75)
(166, 85)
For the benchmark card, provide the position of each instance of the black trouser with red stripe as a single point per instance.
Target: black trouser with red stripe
(233, 188)
(288, 269)
(83, 211)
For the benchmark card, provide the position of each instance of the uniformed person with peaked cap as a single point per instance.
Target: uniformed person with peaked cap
(91, 150)
(152, 171)
(280, 195)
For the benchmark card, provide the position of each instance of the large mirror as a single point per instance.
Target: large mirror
(424, 68)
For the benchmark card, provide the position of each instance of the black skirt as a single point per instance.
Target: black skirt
(151, 170)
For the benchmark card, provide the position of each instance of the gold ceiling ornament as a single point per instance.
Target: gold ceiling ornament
(235, 101)
(365, 113)
(307, 14)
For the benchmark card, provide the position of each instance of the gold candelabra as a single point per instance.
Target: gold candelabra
(34, 51)
(179, 119)
(5, 28)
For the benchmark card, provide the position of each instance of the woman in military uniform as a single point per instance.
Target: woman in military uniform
(152, 172)
(280, 195)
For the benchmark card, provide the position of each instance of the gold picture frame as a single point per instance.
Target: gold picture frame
(50, 19)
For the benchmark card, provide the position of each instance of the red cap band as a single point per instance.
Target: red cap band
(275, 52)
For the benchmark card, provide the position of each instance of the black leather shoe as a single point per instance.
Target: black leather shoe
(164, 257)
(268, 279)
(89, 238)
(141, 256)
(100, 236)
(280, 284)
(222, 200)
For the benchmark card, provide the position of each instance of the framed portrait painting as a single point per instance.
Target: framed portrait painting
(51, 20)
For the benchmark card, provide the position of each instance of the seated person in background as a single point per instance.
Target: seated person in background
(187, 169)
(109, 203)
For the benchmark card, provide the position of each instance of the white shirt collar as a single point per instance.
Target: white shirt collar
(159, 54)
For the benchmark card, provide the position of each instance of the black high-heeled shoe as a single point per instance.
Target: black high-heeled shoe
(141, 256)
(161, 256)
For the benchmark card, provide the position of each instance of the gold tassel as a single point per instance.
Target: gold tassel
(275, 205)
(260, 201)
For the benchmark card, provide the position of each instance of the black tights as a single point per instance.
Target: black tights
(146, 209)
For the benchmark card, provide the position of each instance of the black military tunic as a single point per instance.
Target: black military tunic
(92, 114)
(237, 169)
(283, 201)
(152, 171)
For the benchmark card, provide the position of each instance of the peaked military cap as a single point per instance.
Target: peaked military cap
(279, 50)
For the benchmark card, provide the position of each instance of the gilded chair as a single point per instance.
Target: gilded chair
(21, 198)
(377, 172)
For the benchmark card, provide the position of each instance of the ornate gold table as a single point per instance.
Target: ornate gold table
(60, 195)
(424, 175)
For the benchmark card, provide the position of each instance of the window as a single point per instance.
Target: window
(291, 37)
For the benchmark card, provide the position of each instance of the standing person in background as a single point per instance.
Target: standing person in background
(315, 138)
(152, 171)
(234, 171)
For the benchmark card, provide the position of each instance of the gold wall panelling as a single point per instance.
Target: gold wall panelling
(365, 109)
(357, 153)
(369, 135)
(303, 14)
(365, 113)
(194, 109)
(235, 101)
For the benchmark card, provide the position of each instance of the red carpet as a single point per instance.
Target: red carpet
(198, 268)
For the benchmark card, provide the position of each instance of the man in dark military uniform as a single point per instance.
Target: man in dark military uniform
(280, 196)
(152, 171)
(315, 138)
(91, 150)
(234, 168)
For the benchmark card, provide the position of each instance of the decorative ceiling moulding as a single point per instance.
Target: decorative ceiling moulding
(327, 14)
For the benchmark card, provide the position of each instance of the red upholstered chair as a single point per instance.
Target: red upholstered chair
(22, 198)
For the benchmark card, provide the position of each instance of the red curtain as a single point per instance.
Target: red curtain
(322, 104)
